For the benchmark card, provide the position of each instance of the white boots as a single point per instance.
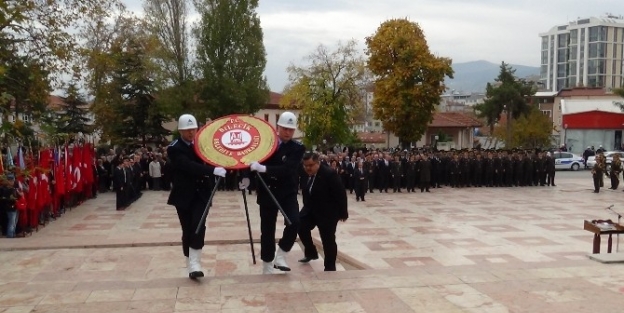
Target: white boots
(267, 268)
(194, 263)
(279, 263)
(280, 260)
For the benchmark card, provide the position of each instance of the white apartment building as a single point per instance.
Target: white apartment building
(585, 52)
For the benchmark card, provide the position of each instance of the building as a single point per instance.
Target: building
(584, 52)
(588, 117)
(460, 101)
(272, 111)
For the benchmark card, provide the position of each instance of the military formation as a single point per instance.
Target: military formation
(425, 169)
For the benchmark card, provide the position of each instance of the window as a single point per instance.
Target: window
(597, 33)
(266, 117)
(573, 52)
(545, 43)
(597, 50)
(377, 124)
(562, 40)
(12, 118)
(547, 113)
(25, 117)
(561, 55)
(573, 36)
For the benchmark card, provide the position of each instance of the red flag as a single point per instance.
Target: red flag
(77, 169)
(68, 171)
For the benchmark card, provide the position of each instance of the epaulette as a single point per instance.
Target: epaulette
(173, 143)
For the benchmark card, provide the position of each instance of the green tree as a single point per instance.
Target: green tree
(329, 94)
(619, 92)
(73, 113)
(409, 78)
(230, 58)
(530, 130)
(507, 95)
(138, 116)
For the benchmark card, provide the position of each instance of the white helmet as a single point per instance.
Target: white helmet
(187, 121)
(287, 120)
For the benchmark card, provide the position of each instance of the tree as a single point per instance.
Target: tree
(410, 79)
(167, 21)
(329, 94)
(530, 130)
(73, 113)
(619, 92)
(509, 94)
(41, 29)
(139, 118)
(230, 58)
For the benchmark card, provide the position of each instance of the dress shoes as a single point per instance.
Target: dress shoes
(307, 259)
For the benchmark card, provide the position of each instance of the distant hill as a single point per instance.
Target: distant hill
(474, 76)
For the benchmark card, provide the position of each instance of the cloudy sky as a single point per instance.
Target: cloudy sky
(464, 30)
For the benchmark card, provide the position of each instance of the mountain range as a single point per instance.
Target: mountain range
(473, 76)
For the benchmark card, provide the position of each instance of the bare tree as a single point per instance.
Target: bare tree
(167, 20)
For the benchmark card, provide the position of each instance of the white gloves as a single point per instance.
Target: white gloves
(219, 171)
(244, 183)
(255, 166)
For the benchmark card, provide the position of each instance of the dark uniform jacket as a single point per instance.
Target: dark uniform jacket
(281, 175)
(191, 176)
(327, 199)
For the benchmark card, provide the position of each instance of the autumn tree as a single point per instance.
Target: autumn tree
(230, 58)
(328, 93)
(409, 78)
(507, 95)
(42, 29)
(530, 130)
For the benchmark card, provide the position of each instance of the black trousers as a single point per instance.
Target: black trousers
(360, 189)
(189, 219)
(121, 198)
(615, 180)
(268, 218)
(551, 178)
(327, 230)
(597, 182)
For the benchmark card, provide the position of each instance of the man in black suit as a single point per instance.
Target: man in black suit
(324, 204)
(281, 174)
(119, 184)
(192, 186)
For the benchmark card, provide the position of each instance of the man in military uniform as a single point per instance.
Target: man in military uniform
(192, 185)
(281, 174)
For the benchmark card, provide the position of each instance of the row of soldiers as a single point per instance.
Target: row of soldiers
(465, 168)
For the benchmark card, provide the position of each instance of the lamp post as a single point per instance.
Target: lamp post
(565, 135)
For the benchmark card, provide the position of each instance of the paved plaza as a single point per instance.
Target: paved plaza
(482, 250)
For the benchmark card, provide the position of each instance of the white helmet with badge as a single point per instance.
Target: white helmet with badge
(187, 121)
(287, 120)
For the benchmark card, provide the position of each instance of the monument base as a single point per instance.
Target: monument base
(607, 257)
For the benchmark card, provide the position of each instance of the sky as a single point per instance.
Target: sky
(463, 30)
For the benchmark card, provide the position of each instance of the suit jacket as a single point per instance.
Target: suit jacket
(327, 198)
(282, 174)
(119, 178)
(190, 175)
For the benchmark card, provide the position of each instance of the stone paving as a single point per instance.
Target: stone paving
(520, 250)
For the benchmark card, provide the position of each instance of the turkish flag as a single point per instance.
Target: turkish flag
(77, 169)
(69, 175)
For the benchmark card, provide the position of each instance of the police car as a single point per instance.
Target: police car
(591, 161)
(568, 161)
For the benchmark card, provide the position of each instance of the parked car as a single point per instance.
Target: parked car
(568, 161)
(591, 161)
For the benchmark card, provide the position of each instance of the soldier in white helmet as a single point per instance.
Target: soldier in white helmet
(192, 184)
(281, 174)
